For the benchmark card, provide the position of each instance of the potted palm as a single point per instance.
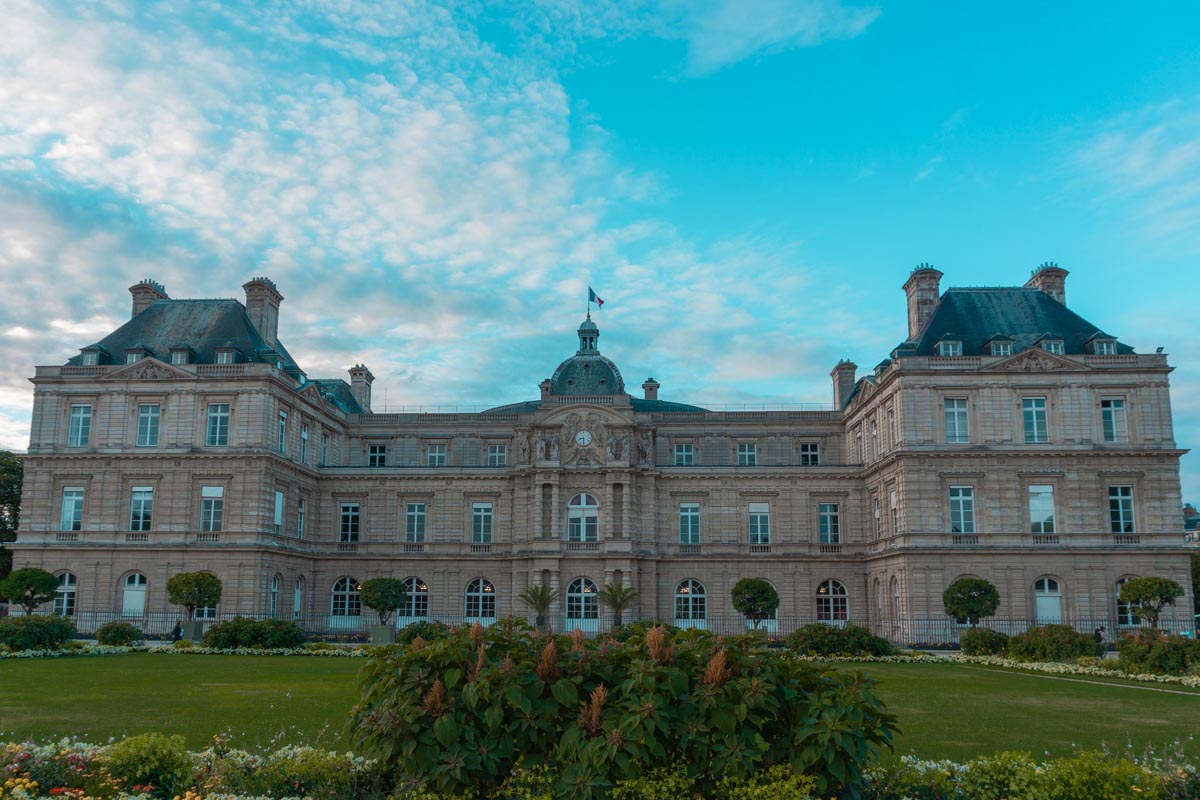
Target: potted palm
(619, 599)
(539, 598)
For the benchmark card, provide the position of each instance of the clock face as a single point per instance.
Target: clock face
(583, 438)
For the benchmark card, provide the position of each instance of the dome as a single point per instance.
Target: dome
(587, 374)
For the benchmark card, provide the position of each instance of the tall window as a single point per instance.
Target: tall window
(414, 522)
(1112, 419)
(278, 519)
(893, 428)
(377, 455)
(760, 523)
(810, 454)
(435, 455)
(133, 595)
(298, 598)
(1120, 509)
(281, 438)
(217, 431)
(583, 519)
(962, 509)
(141, 508)
(497, 455)
(1033, 414)
(829, 523)
(832, 602)
(1041, 509)
(878, 520)
(71, 518)
(416, 599)
(480, 599)
(212, 507)
(685, 455)
(324, 450)
(689, 523)
(581, 600)
(301, 511)
(896, 600)
(894, 508)
(1125, 612)
(79, 429)
(348, 527)
(481, 523)
(344, 599)
(304, 443)
(874, 441)
(273, 598)
(147, 425)
(691, 601)
(64, 595)
(957, 431)
(747, 454)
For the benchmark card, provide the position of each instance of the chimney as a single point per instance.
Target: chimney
(360, 386)
(262, 305)
(650, 387)
(843, 382)
(545, 387)
(1051, 279)
(146, 292)
(922, 291)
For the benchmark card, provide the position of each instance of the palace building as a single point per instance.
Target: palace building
(1005, 437)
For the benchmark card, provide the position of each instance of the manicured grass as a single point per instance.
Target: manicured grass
(945, 710)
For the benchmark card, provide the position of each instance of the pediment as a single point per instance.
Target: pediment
(313, 395)
(1036, 360)
(149, 369)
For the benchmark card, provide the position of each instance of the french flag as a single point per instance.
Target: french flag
(595, 298)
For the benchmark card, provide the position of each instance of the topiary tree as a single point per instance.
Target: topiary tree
(384, 596)
(1149, 595)
(539, 598)
(29, 587)
(971, 599)
(755, 598)
(618, 598)
(193, 590)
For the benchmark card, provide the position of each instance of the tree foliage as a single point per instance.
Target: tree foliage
(755, 598)
(10, 506)
(618, 598)
(193, 590)
(29, 587)
(1196, 582)
(1148, 595)
(971, 599)
(384, 596)
(539, 598)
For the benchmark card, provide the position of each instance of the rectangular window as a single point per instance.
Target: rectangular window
(281, 443)
(324, 450)
(132, 358)
(760, 523)
(304, 443)
(71, 518)
(91, 359)
(414, 522)
(1112, 419)
(829, 523)
(949, 348)
(278, 518)
(212, 508)
(957, 430)
(1033, 413)
(1106, 347)
(685, 455)
(435, 455)
(858, 447)
(810, 454)
(147, 429)
(481, 523)
(377, 455)
(1002, 348)
(1053, 346)
(79, 431)
(141, 508)
(1120, 509)
(497, 455)
(179, 357)
(217, 431)
(962, 509)
(348, 529)
(1041, 509)
(878, 521)
(874, 441)
(894, 506)
(747, 454)
(301, 510)
(224, 356)
(689, 523)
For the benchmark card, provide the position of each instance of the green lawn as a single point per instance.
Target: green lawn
(945, 710)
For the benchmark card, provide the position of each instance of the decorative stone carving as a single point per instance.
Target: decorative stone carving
(1035, 361)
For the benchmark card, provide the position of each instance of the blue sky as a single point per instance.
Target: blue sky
(746, 182)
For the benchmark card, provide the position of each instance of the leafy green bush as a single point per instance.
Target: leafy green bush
(36, 633)
(118, 634)
(1149, 650)
(1052, 643)
(302, 772)
(282, 633)
(820, 639)
(429, 630)
(983, 642)
(458, 713)
(152, 760)
(246, 632)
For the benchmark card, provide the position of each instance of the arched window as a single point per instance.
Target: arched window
(480, 599)
(581, 600)
(583, 519)
(1047, 602)
(133, 598)
(1125, 615)
(832, 603)
(273, 598)
(895, 584)
(416, 603)
(691, 604)
(344, 600)
(64, 595)
(298, 598)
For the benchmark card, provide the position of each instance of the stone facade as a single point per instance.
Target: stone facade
(1050, 470)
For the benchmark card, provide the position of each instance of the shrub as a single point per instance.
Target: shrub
(281, 633)
(1052, 643)
(1149, 650)
(119, 634)
(983, 642)
(152, 759)
(457, 713)
(36, 633)
(971, 599)
(426, 629)
(820, 639)
(303, 772)
(246, 632)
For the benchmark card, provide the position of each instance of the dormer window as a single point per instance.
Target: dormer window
(226, 355)
(133, 356)
(1105, 347)
(1002, 348)
(949, 348)
(1054, 346)
(91, 358)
